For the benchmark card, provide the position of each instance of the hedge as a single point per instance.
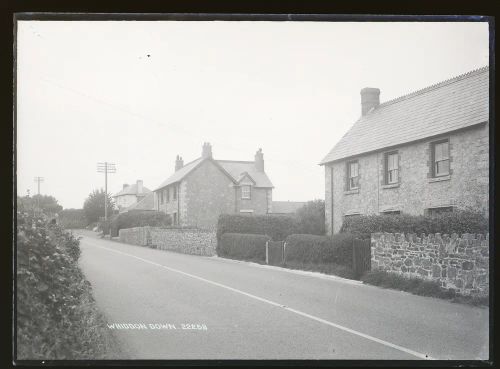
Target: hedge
(137, 219)
(307, 248)
(72, 219)
(460, 221)
(242, 246)
(57, 317)
(278, 227)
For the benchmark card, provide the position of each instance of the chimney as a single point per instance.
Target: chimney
(370, 98)
(139, 186)
(125, 186)
(259, 160)
(179, 163)
(206, 151)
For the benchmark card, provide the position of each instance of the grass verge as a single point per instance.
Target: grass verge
(419, 287)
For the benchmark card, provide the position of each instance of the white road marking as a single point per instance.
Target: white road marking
(298, 312)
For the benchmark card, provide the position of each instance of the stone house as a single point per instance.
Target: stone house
(130, 194)
(198, 192)
(422, 153)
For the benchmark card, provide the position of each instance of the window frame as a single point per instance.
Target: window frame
(249, 187)
(437, 210)
(162, 199)
(174, 193)
(349, 187)
(387, 171)
(435, 162)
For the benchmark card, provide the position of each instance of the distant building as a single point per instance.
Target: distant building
(198, 192)
(130, 194)
(422, 153)
(286, 207)
(146, 204)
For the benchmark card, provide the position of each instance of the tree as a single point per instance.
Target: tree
(94, 205)
(47, 204)
(312, 217)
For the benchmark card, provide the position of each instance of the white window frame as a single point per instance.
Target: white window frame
(246, 192)
(350, 179)
(443, 156)
(392, 167)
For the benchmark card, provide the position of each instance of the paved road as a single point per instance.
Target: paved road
(253, 312)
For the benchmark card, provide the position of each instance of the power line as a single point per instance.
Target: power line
(106, 168)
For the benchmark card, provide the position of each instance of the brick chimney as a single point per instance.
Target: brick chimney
(259, 160)
(125, 185)
(139, 186)
(179, 163)
(206, 152)
(370, 98)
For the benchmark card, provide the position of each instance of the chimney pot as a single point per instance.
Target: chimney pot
(370, 98)
(206, 151)
(259, 160)
(179, 163)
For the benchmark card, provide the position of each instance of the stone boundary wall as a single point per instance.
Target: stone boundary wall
(185, 240)
(458, 263)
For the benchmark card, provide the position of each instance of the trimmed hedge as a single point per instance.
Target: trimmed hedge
(242, 246)
(138, 219)
(306, 248)
(460, 221)
(72, 219)
(278, 227)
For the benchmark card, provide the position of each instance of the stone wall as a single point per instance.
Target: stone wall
(185, 240)
(458, 263)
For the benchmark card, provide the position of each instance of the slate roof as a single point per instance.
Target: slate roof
(132, 190)
(233, 168)
(286, 207)
(447, 106)
(147, 203)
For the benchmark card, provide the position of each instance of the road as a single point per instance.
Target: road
(243, 311)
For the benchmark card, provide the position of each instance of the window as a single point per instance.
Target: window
(436, 211)
(441, 158)
(391, 168)
(351, 216)
(167, 194)
(174, 195)
(162, 200)
(352, 175)
(175, 219)
(245, 192)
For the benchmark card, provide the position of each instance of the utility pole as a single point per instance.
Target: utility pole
(38, 180)
(106, 168)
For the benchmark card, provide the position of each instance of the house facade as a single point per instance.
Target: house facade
(422, 153)
(130, 195)
(198, 192)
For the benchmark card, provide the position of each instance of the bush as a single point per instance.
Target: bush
(72, 219)
(56, 315)
(278, 227)
(251, 247)
(311, 218)
(138, 219)
(460, 221)
(307, 248)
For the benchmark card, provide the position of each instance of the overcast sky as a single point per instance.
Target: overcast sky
(138, 93)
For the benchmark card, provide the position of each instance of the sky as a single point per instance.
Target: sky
(139, 93)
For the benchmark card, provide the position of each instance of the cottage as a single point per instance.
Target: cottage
(130, 194)
(198, 192)
(422, 153)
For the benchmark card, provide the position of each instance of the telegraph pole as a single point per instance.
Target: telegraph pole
(106, 168)
(38, 180)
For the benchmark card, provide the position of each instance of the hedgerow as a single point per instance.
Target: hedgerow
(460, 221)
(135, 219)
(56, 314)
(251, 247)
(278, 227)
(72, 219)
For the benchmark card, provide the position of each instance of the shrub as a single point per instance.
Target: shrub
(307, 248)
(311, 218)
(138, 219)
(278, 227)
(56, 315)
(242, 246)
(460, 221)
(72, 219)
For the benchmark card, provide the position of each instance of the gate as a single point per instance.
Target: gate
(361, 257)
(275, 252)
